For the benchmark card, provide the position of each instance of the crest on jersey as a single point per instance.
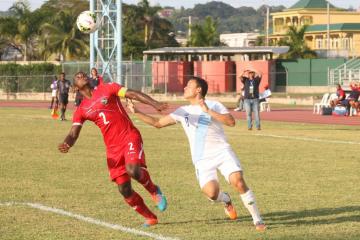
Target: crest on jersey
(104, 101)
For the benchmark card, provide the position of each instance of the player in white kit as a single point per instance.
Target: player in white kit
(202, 121)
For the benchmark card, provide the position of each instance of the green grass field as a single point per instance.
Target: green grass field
(305, 178)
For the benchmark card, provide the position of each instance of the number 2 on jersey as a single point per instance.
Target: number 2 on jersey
(102, 115)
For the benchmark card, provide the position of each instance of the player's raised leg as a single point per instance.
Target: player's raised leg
(135, 201)
(136, 168)
(236, 180)
(141, 174)
(212, 190)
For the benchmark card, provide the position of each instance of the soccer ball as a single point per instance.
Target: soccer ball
(86, 22)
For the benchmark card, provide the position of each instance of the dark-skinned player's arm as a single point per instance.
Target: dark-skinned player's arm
(70, 139)
(153, 121)
(141, 97)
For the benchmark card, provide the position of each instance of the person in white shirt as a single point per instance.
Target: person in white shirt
(54, 97)
(202, 121)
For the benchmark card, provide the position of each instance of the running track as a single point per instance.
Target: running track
(282, 115)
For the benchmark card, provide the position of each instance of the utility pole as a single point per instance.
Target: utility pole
(328, 29)
(189, 30)
(267, 24)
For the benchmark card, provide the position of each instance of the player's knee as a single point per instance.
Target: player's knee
(125, 189)
(133, 171)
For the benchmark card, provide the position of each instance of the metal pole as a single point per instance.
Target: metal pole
(267, 25)
(92, 39)
(189, 31)
(328, 29)
(119, 39)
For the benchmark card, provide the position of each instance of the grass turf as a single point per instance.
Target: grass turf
(304, 177)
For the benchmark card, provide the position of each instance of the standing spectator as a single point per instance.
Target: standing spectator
(63, 93)
(95, 78)
(340, 93)
(54, 98)
(251, 83)
(240, 101)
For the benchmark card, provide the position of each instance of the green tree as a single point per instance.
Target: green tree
(205, 35)
(21, 28)
(62, 37)
(149, 17)
(295, 39)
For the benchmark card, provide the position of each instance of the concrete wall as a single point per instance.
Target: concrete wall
(172, 74)
(220, 75)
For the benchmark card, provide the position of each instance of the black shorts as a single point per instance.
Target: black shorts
(64, 99)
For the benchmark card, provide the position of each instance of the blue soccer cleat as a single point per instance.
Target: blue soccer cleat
(159, 199)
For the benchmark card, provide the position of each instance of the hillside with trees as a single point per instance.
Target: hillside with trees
(230, 19)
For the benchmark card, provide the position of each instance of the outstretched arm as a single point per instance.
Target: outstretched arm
(153, 121)
(226, 119)
(141, 97)
(70, 139)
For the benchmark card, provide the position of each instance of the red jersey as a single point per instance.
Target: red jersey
(104, 108)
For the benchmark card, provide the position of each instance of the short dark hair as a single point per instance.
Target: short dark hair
(83, 74)
(200, 83)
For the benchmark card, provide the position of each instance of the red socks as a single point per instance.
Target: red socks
(137, 203)
(145, 180)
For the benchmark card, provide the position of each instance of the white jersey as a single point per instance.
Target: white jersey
(206, 135)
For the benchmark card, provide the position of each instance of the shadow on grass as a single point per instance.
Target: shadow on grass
(290, 218)
(318, 216)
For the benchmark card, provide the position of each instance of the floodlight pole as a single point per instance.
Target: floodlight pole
(106, 42)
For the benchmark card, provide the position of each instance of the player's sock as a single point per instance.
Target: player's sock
(223, 197)
(145, 180)
(248, 199)
(137, 203)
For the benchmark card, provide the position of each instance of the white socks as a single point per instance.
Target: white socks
(222, 197)
(249, 202)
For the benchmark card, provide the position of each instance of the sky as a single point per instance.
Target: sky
(5, 4)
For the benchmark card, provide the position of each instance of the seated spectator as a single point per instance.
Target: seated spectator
(240, 101)
(341, 97)
(354, 96)
(265, 94)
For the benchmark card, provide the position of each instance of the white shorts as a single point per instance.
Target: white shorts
(226, 161)
(53, 93)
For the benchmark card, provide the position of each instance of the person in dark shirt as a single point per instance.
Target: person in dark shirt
(63, 88)
(251, 82)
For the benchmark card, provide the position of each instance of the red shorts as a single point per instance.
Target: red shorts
(130, 152)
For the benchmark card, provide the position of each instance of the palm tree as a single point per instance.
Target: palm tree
(205, 35)
(149, 18)
(20, 27)
(296, 41)
(62, 37)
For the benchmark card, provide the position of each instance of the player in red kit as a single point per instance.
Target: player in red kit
(124, 146)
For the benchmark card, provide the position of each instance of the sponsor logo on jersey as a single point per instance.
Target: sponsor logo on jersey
(104, 101)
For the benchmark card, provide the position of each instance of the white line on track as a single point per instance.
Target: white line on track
(88, 220)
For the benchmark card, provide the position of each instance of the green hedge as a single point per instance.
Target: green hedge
(13, 69)
(25, 78)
